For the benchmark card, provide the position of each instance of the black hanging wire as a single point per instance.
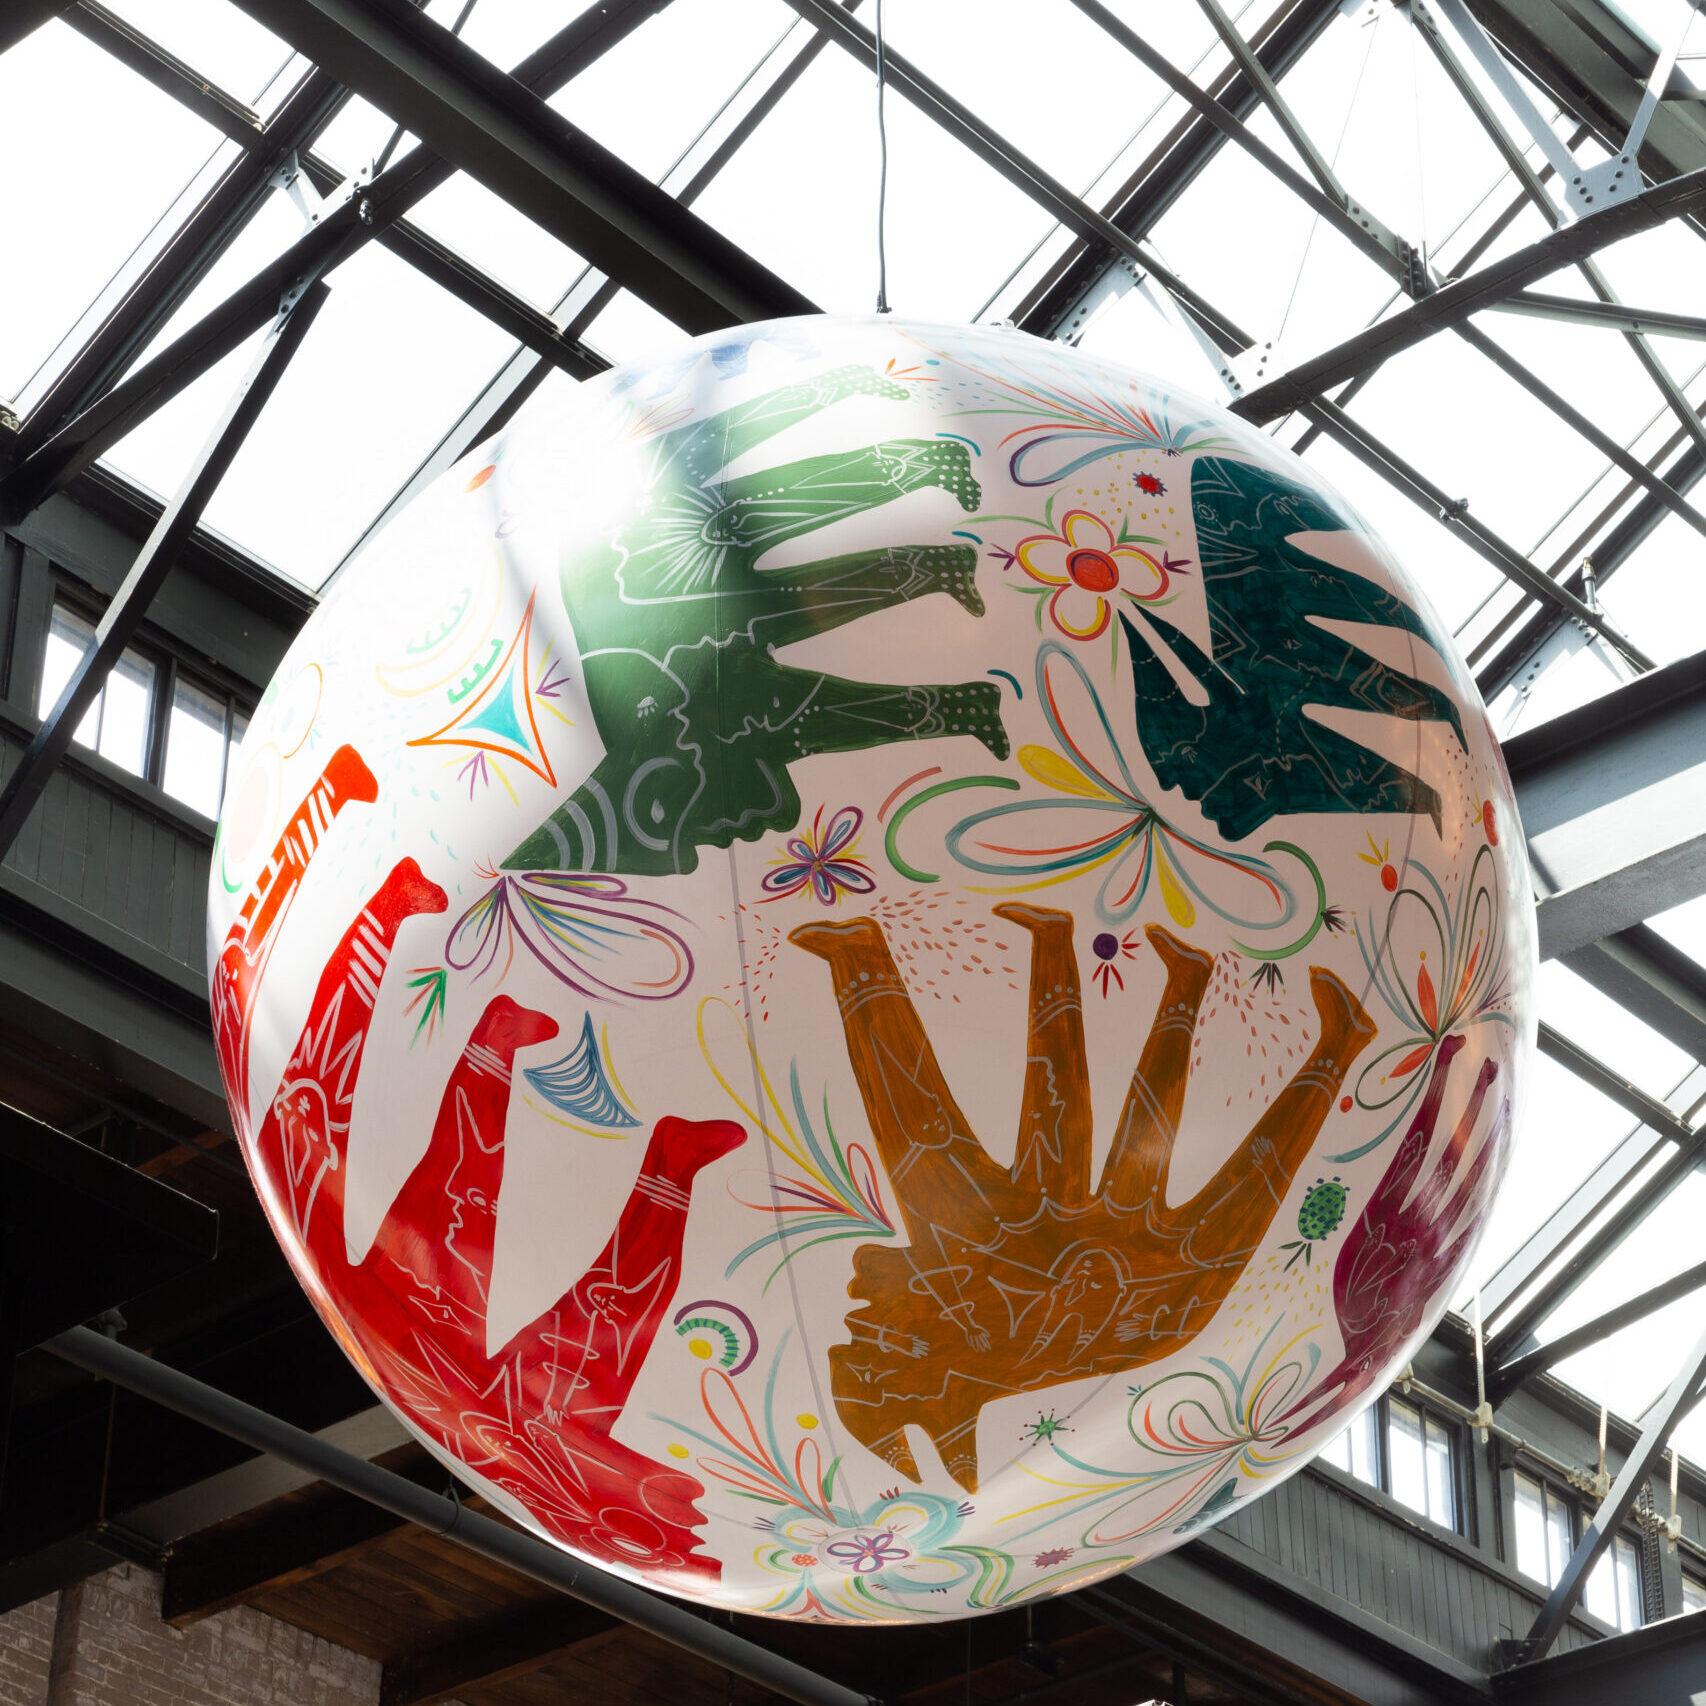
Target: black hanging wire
(882, 172)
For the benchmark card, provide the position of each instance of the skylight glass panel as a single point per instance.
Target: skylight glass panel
(216, 39)
(92, 225)
(1565, 1129)
(1477, 434)
(1067, 96)
(159, 451)
(1632, 1367)
(354, 138)
(1614, 1035)
(506, 31)
(1684, 927)
(1659, 596)
(1592, 369)
(383, 373)
(1263, 258)
(650, 95)
(1377, 105)
(800, 196)
(505, 244)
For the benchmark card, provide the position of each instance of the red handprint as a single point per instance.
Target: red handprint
(249, 942)
(1403, 1249)
(533, 1416)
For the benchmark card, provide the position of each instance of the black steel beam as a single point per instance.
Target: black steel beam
(441, 1514)
(1176, 162)
(1645, 975)
(1615, 1088)
(1454, 302)
(1616, 316)
(492, 127)
(456, 274)
(1507, 1376)
(1614, 806)
(1572, 417)
(1662, 1664)
(182, 263)
(1679, 1399)
(124, 614)
(1390, 466)
(1355, 224)
(505, 392)
(24, 17)
(168, 73)
(336, 235)
(1598, 1215)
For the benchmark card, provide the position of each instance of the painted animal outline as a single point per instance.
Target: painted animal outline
(533, 1416)
(1248, 751)
(678, 628)
(1401, 1251)
(1017, 1279)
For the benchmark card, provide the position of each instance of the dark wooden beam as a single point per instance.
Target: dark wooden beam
(292, 1540)
(501, 1649)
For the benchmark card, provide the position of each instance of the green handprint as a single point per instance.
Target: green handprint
(678, 627)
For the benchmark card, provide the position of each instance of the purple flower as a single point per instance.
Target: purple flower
(822, 858)
(867, 1552)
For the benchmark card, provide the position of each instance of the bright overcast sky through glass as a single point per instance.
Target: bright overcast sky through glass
(394, 361)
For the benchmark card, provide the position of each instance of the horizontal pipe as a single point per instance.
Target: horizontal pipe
(107, 1360)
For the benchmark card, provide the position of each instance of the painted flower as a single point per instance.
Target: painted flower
(1149, 485)
(1086, 565)
(866, 1552)
(1050, 1556)
(823, 858)
(1109, 950)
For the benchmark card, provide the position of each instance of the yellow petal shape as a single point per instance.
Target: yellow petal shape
(1053, 771)
(1179, 906)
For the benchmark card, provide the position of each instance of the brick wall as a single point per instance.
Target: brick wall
(103, 1644)
(26, 1643)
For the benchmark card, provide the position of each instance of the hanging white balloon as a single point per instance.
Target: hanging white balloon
(874, 971)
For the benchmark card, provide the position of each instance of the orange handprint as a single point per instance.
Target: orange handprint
(1018, 1278)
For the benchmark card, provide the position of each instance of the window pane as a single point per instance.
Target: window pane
(1337, 1451)
(127, 700)
(1365, 1450)
(1600, 1595)
(1404, 1453)
(1442, 1490)
(1693, 1594)
(1629, 1607)
(1531, 1529)
(239, 728)
(1559, 1536)
(68, 638)
(195, 748)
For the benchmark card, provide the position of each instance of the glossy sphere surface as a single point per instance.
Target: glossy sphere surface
(875, 970)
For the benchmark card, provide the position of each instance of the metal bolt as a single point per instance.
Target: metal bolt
(364, 211)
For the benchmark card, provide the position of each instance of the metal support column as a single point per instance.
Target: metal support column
(447, 1516)
(123, 616)
(1683, 1394)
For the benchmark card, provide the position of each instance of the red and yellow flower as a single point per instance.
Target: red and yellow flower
(1087, 565)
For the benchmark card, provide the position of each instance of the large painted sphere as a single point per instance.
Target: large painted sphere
(874, 971)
